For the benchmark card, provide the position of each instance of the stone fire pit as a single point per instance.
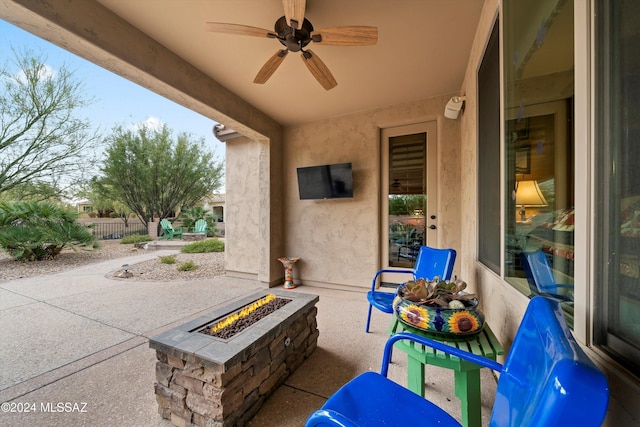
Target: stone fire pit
(209, 381)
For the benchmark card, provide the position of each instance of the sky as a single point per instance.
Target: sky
(117, 100)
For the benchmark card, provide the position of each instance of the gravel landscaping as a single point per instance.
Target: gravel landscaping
(209, 264)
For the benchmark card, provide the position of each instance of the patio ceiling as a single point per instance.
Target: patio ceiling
(422, 50)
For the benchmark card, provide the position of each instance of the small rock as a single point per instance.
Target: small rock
(123, 274)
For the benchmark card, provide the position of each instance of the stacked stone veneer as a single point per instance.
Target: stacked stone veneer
(208, 381)
(193, 237)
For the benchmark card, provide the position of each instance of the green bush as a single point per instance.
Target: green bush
(32, 231)
(202, 246)
(168, 259)
(135, 238)
(187, 266)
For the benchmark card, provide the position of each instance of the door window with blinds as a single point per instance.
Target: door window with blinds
(407, 197)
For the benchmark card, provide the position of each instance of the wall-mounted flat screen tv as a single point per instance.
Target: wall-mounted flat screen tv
(325, 182)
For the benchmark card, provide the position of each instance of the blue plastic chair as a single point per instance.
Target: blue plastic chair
(547, 380)
(431, 262)
(540, 276)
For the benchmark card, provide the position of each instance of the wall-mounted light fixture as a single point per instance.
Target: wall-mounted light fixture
(528, 194)
(455, 104)
(223, 133)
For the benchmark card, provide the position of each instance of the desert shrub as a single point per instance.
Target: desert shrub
(202, 246)
(135, 238)
(187, 266)
(32, 231)
(168, 259)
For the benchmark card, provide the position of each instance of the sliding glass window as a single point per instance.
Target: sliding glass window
(617, 104)
(538, 148)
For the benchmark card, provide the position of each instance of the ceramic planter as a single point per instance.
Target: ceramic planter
(446, 322)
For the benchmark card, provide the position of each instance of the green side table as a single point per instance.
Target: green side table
(466, 374)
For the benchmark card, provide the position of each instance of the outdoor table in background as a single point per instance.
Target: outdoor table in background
(466, 374)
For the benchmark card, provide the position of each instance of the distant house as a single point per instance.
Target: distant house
(84, 207)
(215, 203)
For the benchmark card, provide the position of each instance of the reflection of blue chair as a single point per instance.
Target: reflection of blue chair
(409, 247)
(540, 276)
(431, 262)
(547, 380)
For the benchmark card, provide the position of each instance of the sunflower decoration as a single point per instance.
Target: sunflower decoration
(463, 322)
(441, 307)
(415, 315)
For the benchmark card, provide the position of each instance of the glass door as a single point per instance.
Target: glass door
(409, 201)
(617, 293)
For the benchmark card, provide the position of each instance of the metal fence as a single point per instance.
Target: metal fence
(108, 231)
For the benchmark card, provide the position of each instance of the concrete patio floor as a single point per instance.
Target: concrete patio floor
(81, 338)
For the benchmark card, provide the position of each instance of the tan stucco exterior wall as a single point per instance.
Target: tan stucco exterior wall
(338, 240)
(242, 195)
(253, 238)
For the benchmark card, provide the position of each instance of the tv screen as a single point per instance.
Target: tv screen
(325, 182)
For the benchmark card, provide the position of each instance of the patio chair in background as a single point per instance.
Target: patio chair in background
(168, 232)
(431, 262)
(547, 380)
(200, 226)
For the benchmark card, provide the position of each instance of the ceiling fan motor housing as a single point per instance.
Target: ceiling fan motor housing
(294, 40)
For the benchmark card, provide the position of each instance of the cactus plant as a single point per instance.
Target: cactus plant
(438, 293)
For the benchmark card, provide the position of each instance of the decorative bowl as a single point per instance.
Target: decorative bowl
(440, 321)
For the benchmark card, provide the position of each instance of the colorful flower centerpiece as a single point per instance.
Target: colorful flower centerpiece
(438, 306)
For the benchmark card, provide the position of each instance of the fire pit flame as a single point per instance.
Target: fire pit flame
(231, 319)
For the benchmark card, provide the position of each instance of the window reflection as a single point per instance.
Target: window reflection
(538, 144)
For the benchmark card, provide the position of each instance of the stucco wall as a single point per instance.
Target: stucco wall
(242, 209)
(338, 240)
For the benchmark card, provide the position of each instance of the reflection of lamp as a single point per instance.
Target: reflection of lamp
(528, 195)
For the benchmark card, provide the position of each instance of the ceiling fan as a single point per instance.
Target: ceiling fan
(295, 32)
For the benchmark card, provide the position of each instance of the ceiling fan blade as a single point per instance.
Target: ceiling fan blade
(238, 29)
(319, 70)
(294, 12)
(270, 66)
(347, 36)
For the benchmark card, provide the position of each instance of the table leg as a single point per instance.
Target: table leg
(415, 375)
(467, 385)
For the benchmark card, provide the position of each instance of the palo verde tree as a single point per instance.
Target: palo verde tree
(42, 137)
(154, 174)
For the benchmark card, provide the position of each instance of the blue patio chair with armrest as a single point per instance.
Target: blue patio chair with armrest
(431, 262)
(540, 276)
(547, 380)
